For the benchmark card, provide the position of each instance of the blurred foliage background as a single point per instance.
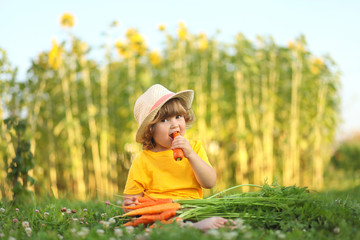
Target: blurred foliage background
(344, 168)
(264, 112)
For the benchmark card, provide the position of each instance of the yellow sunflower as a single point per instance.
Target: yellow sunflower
(182, 31)
(155, 58)
(203, 42)
(67, 20)
(122, 49)
(162, 27)
(316, 65)
(55, 55)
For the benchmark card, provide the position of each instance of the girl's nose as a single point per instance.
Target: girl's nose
(173, 122)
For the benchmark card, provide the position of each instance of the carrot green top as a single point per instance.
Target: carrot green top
(159, 175)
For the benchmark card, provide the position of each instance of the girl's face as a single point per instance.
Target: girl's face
(163, 131)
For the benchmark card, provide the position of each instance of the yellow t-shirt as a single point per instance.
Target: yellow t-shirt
(160, 176)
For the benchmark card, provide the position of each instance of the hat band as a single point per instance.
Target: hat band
(161, 100)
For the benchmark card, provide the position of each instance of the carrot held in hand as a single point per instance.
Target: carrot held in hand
(178, 152)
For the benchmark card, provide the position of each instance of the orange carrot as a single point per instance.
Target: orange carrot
(165, 222)
(137, 222)
(154, 209)
(148, 204)
(144, 199)
(162, 222)
(147, 195)
(178, 152)
(151, 218)
(159, 217)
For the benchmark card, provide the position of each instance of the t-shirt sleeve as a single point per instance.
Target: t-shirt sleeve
(199, 149)
(135, 182)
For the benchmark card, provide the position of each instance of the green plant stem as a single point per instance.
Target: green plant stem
(238, 186)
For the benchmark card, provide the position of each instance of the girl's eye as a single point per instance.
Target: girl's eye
(178, 116)
(164, 120)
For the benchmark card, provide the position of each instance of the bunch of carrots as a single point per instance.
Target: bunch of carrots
(149, 210)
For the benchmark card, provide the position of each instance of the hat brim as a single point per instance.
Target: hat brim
(186, 95)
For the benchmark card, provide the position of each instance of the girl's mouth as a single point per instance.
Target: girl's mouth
(172, 135)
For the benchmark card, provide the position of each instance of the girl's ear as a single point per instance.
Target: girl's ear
(152, 129)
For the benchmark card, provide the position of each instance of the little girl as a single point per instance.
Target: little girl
(160, 113)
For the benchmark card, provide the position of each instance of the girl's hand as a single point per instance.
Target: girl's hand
(129, 200)
(184, 144)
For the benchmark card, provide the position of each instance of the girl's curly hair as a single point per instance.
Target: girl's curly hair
(173, 107)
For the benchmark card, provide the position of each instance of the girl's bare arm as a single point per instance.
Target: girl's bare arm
(205, 174)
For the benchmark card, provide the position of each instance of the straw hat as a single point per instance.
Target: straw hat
(148, 105)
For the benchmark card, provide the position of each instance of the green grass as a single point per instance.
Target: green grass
(324, 215)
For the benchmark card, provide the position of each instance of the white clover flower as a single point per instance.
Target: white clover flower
(118, 232)
(112, 221)
(60, 236)
(129, 229)
(247, 235)
(16, 209)
(239, 222)
(336, 230)
(68, 211)
(2, 234)
(229, 235)
(188, 224)
(280, 234)
(28, 230)
(106, 224)
(83, 232)
(103, 215)
(2, 210)
(75, 219)
(140, 237)
(11, 238)
(46, 214)
(25, 224)
(100, 232)
(119, 202)
(213, 232)
(73, 230)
